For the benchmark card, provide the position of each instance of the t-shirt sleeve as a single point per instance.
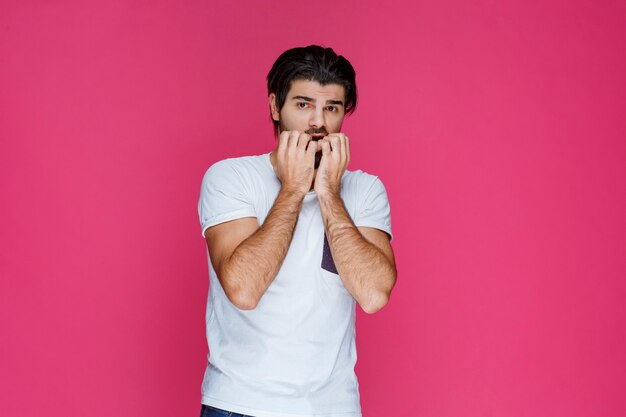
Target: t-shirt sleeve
(223, 196)
(374, 210)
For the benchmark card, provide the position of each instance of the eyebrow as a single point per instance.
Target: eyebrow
(310, 100)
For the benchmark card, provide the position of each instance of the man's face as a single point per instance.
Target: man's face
(311, 108)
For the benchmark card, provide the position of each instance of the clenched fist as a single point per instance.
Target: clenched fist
(295, 161)
(335, 160)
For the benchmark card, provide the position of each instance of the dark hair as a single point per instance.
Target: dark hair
(312, 63)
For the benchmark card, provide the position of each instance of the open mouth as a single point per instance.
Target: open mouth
(317, 136)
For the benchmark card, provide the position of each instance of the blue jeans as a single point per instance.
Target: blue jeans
(208, 411)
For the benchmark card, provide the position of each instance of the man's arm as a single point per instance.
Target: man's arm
(363, 256)
(246, 256)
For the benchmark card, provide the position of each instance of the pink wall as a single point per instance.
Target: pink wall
(497, 127)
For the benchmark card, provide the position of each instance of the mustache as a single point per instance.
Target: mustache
(316, 132)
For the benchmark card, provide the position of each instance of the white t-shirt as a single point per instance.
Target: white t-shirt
(294, 354)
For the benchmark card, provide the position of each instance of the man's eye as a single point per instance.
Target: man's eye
(301, 105)
(332, 108)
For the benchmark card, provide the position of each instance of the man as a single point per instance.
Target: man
(294, 242)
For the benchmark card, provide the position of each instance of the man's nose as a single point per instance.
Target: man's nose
(317, 118)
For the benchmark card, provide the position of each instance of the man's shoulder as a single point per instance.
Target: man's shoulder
(245, 161)
(240, 165)
(358, 173)
(358, 179)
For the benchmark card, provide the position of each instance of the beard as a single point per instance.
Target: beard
(318, 159)
(318, 154)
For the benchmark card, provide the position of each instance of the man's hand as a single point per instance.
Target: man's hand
(335, 159)
(295, 161)
(362, 255)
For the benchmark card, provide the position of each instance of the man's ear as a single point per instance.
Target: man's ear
(273, 109)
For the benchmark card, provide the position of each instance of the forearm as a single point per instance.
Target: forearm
(254, 263)
(364, 269)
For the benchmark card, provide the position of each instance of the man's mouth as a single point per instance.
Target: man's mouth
(317, 135)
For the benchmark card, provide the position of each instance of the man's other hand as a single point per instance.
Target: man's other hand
(335, 160)
(295, 161)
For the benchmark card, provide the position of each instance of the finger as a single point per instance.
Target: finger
(330, 140)
(336, 147)
(324, 138)
(344, 152)
(347, 150)
(283, 140)
(325, 148)
(303, 141)
(311, 149)
(293, 140)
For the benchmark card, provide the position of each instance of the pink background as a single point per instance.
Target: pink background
(498, 128)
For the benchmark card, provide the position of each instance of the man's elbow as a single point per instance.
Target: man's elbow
(241, 300)
(378, 299)
(375, 303)
(246, 305)
(240, 297)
